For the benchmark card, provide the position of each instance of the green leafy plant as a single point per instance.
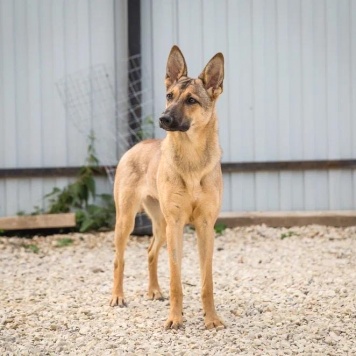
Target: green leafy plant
(77, 194)
(95, 217)
(80, 197)
(220, 228)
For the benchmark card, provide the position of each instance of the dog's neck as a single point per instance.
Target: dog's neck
(197, 149)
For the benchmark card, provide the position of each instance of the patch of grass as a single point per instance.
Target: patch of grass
(220, 228)
(66, 241)
(32, 247)
(290, 233)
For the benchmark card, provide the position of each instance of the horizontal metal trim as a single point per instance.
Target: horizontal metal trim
(288, 165)
(47, 172)
(227, 167)
(289, 218)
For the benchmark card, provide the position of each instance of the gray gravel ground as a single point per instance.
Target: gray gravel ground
(280, 292)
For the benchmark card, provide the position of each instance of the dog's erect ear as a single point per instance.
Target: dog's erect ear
(176, 66)
(213, 75)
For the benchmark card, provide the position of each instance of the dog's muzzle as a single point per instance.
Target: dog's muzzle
(168, 123)
(165, 121)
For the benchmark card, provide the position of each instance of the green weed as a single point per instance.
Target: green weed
(290, 233)
(220, 228)
(66, 241)
(32, 247)
(92, 211)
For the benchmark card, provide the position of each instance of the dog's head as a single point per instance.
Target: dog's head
(190, 102)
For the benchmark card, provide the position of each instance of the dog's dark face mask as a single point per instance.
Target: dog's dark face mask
(169, 122)
(173, 118)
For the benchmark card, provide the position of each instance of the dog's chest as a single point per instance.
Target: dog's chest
(193, 186)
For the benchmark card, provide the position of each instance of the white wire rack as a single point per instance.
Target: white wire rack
(118, 114)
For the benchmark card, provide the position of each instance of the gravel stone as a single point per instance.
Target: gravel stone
(279, 291)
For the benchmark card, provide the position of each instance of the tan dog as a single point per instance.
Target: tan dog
(177, 181)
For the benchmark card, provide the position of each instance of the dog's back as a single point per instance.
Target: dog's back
(136, 173)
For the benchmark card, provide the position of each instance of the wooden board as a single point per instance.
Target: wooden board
(45, 221)
(289, 219)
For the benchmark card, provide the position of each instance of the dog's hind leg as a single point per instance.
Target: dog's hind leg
(158, 240)
(206, 236)
(126, 209)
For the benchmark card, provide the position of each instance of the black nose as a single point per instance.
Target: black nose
(166, 120)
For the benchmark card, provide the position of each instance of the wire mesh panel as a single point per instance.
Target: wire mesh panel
(116, 114)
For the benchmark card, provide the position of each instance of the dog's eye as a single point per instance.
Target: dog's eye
(191, 101)
(169, 96)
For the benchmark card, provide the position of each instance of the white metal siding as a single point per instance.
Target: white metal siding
(42, 42)
(289, 92)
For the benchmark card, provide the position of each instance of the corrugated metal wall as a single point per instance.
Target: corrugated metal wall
(290, 90)
(42, 44)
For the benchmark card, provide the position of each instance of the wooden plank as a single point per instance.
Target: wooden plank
(289, 219)
(45, 221)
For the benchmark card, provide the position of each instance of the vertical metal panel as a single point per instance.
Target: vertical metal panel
(283, 83)
(147, 49)
(243, 192)
(352, 15)
(220, 41)
(2, 109)
(226, 199)
(34, 104)
(8, 120)
(314, 98)
(9, 125)
(239, 70)
(291, 191)
(288, 93)
(41, 43)
(53, 68)
(163, 36)
(102, 49)
(189, 35)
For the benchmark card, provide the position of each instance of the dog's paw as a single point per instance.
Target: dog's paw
(117, 301)
(155, 294)
(214, 322)
(175, 322)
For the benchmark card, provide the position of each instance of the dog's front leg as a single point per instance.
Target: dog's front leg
(206, 235)
(174, 234)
